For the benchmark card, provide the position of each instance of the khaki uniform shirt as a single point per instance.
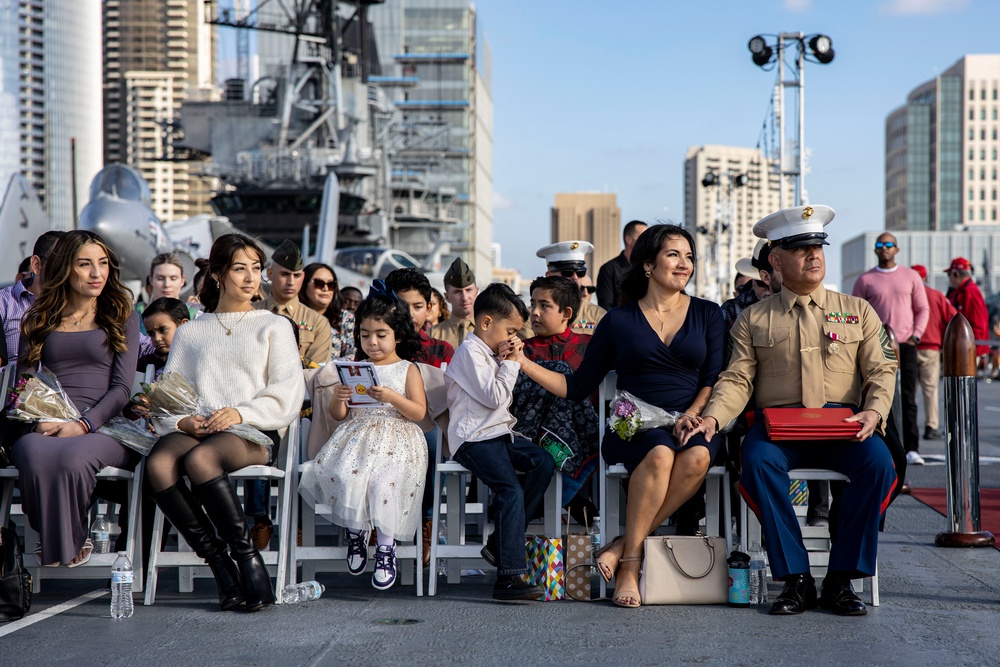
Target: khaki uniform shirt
(453, 330)
(315, 335)
(587, 319)
(837, 352)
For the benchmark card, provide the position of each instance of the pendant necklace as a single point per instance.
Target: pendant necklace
(229, 330)
(657, 316)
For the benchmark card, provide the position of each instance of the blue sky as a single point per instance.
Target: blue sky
(607, 96)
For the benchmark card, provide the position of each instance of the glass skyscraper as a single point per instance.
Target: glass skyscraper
(941, 150)
(50, 100)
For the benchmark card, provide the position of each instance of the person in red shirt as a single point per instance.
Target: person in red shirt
(555, 303)
(964, 294)
(929, 353)
(413, 288)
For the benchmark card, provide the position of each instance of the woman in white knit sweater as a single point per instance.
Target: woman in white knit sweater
(245, 365)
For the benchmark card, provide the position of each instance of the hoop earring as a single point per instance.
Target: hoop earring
(648, 274)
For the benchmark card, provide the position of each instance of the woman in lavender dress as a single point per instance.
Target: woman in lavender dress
(82, 328)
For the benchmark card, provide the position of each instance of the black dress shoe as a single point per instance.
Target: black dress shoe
(839, 597)
(933, 434)
(798, 595)
(513, 587)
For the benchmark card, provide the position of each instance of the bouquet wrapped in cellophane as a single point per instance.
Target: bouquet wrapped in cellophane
(39, 397)
(629, 415)
(133, 434)
(172, 397)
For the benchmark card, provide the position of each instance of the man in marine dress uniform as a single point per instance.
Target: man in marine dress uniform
(285, 275)
(809, 347)
(569, 260)
(460, 292)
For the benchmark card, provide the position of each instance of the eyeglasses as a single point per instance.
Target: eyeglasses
(760, 284)
(887, 244)
(324, 284)
(588, 289)
(569, 273)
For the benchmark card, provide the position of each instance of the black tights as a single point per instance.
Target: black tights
(178, 454)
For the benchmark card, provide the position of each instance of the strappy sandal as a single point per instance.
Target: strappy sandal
(606, 567)
(38, 554)
(88, 548)
(622, 598)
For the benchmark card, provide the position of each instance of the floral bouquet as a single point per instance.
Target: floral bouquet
(172, 396)
(629, 415)
(40, 398)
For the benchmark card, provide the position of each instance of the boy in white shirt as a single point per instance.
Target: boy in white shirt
(480, 383)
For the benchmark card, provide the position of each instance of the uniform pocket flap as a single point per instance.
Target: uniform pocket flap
(764, 337)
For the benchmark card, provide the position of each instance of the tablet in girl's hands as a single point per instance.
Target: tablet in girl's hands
(360, 376)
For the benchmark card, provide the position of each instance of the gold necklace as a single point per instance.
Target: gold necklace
(656, 314)
(80, 318)
(229, 330)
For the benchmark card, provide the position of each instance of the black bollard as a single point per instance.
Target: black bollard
(962, 446)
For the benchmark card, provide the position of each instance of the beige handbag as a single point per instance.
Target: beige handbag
(684, 570)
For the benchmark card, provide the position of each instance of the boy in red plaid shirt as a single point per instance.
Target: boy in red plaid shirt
(555, 302)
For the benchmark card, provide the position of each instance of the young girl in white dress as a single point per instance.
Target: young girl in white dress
(371, 471)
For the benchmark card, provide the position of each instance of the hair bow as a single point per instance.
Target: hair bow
(379, 287)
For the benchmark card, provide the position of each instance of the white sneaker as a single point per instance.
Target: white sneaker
(914, 459)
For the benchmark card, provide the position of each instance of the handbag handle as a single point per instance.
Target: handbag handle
(680, 568)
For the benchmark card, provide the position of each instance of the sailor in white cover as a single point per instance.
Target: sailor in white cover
(371, 471)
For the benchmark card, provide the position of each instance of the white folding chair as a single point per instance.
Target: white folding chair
(99, 565)
(284, 472)
(333, 558)
(717, 497)
(133, 481)
(815, 538)
(456, 510)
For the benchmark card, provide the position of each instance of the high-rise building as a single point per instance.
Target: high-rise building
(157, 54)
(437, 69)
(941, 150)
(589, 216)
(726, 190)
(50, 105)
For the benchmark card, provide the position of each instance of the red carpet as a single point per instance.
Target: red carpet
(989, 507)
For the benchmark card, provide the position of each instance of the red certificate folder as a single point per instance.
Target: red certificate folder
(810, 423)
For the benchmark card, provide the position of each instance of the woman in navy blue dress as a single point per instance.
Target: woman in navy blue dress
(667, 349)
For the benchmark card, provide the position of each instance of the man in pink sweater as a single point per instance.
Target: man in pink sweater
(897, 294)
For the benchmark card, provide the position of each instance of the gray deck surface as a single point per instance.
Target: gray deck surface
(939, 607)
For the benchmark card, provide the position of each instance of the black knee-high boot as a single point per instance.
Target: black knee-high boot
(185, 513)
(222, 505)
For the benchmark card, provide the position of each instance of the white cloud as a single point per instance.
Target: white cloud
(910, 7)
(501, 203)
(798, 5)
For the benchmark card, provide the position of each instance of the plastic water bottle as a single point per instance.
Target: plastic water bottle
(303, 592)
(121, 587)
(100, 535)
(442, 564)
(758, 575)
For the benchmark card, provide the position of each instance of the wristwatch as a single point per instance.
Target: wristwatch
(916, 339)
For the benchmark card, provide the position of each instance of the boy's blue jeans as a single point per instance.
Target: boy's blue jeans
(496, 462)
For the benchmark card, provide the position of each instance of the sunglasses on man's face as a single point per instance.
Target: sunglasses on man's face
(886, 244)
(760, 284)
(324, 284)
(569, 273)
(588, 289)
